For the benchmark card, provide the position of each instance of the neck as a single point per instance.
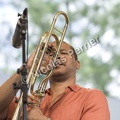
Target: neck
(58, 87)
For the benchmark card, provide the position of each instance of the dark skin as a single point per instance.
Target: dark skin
(63, 76)
(66, 73)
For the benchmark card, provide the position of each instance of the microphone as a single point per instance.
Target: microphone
(20, 29)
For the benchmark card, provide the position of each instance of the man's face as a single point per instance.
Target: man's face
(66, 64)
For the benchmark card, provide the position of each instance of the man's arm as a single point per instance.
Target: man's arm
(96, 107)
(7, 93)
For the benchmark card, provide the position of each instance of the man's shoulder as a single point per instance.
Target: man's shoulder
(89, 91)
(88, 95)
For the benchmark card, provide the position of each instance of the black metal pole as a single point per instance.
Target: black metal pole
(21, 33)
(24, 85)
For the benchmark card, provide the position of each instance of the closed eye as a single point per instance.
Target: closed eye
(63, 51)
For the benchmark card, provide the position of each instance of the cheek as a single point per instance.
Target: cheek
(71, 62)
(63, 60)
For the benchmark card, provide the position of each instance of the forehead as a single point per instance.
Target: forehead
(63, 46)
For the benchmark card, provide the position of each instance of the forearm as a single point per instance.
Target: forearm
(7, 91)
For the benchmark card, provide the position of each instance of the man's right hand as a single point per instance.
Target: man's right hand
(46, 60)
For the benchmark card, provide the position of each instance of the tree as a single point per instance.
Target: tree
(87, 21)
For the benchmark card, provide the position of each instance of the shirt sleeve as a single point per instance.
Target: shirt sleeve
(96, 107)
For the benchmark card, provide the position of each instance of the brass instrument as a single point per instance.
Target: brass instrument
(40, 52)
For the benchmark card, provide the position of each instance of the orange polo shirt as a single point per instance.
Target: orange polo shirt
(77, 103)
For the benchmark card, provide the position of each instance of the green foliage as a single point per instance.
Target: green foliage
(100, 18)
(86, 21)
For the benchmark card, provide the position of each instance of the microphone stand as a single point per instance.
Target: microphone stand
(24, 86)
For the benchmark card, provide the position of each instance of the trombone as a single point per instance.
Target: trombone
(40, 52)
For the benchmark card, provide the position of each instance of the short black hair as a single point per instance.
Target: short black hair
(74, 53)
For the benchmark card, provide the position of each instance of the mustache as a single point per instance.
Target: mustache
(45, 69)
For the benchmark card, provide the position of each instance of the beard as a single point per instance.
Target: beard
(60, 74)
(59, 70)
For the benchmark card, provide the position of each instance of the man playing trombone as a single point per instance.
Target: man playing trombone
(64, 100)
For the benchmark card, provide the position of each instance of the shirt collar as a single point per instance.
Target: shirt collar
(73, 87)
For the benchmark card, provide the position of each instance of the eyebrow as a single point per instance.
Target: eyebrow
(64, 49)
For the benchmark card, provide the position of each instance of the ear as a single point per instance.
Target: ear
(77, 64)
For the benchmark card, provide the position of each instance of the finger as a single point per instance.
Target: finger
(30, 59)
(45, 60)
(31, 102)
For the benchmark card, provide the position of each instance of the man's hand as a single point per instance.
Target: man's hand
(46, 60)
(35, 114)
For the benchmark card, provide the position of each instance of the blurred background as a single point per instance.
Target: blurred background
(88, 19)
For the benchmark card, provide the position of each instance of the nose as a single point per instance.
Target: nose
(58, 57)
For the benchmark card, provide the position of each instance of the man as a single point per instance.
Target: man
(64, 100)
